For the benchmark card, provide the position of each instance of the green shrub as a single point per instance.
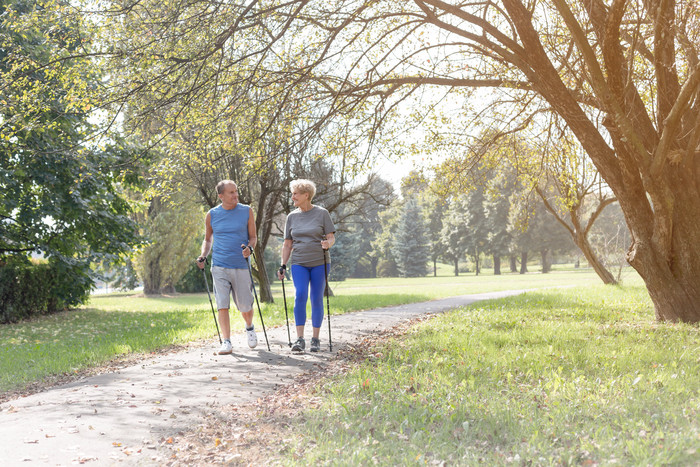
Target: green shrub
(387, 268)
(192, 281)
(28, 289)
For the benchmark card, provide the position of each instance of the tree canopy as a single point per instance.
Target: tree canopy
(624, 78)
(61, 193)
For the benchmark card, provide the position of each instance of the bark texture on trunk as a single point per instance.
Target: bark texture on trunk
(546, 261)
(260, 273)
(653, 166)
(670, 266)
(152, 279)
(579, 229)
(523, 262)
(584, 245)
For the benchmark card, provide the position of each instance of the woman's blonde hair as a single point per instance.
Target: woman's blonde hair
(303, 186)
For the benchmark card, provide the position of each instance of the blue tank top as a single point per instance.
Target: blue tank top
(230, 232)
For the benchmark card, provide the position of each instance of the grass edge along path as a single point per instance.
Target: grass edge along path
(558, 377)
(119, 329)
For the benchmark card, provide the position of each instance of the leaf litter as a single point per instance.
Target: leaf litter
(265, 432)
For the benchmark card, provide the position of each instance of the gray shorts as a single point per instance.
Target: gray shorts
(232, 281)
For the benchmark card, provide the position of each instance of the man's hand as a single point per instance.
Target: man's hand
(281, 271)
(201, 261)
(247, 250)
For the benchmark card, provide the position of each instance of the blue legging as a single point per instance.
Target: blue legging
(302, 277)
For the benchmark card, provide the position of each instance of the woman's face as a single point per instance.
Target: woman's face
(299, 198)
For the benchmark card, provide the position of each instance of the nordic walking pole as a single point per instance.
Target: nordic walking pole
(206, 285)
(252, 284)
(328, 303)
(284, 296)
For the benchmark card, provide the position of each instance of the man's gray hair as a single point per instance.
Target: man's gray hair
(220, 186)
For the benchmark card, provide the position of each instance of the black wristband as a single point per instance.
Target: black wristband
(283, 266)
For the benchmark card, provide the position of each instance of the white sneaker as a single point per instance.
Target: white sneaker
(226, 348)
(252, 338)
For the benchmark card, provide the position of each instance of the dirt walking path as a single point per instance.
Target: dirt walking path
(130, 416)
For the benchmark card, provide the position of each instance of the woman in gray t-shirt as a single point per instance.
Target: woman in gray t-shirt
(308, 234)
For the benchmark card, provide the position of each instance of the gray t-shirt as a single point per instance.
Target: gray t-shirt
(306, 230)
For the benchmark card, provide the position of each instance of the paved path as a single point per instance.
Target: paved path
(128, 416)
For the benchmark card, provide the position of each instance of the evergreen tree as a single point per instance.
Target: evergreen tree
(367, 224)
(497, 206)
(387, 265)
(345, 254)
(477, 227)
(434, 209)
(410, 246)
(454, 231)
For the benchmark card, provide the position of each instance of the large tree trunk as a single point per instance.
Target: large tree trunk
(496, 265)
(579, 231)
(669, 262)
(653, 167)
(373, 261)
(587, 250)
(546, 261)
(513, 263)
(523, 262)
(268, 199)
(265, 290)
(152, 277)
(456, 267)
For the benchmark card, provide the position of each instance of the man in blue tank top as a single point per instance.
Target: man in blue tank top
(230, 232)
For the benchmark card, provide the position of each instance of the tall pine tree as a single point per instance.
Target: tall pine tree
(410, 246)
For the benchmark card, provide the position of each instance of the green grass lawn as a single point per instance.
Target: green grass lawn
(115, 325)
(581, 376)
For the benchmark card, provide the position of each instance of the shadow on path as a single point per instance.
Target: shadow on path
(124, 416)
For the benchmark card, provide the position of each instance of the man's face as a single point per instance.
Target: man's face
(229, 197)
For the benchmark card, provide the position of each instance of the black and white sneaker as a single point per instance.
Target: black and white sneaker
(299, 345)
(315, 344)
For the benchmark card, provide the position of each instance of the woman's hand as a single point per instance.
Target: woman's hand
(328, 241)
